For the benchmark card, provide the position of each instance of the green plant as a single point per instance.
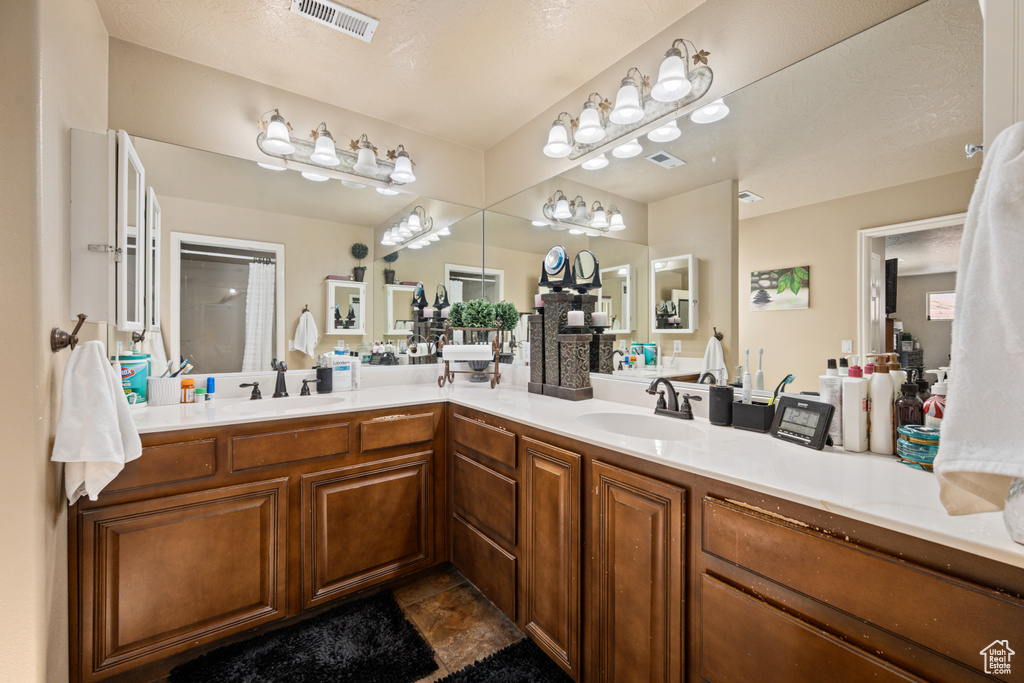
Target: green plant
(478, 313)
(507, 315)
(392, 257)
(455, 314)
(792, 279)
(360, 251)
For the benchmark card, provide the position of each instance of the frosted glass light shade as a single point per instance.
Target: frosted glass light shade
(444, 231)
(434, 238)
(673, 83)
(628, 149)
(324, 152)
(598, 162)
(562, 210)
(403, 229)
(277, 140)
(627, 104)
(580, 213)
(366, 162)
(667, 133)
(616, 223)
(352, 185)
(716, 111)
(415, 245)
(387, 240)
(414, 222)
(600, 219)
(403, 169)
(387, 191)
(315, 177)
(590, 128)
(558, 141)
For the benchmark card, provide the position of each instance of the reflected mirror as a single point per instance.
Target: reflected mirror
(616, 298)
(584, 271)
(346, 314)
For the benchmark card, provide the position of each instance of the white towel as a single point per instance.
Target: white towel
(96, 435)
(307, 335)
(714, 356)
(980, 448)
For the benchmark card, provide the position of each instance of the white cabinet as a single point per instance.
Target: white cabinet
(346, 307)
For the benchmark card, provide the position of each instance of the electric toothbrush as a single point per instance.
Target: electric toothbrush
(759, 376)
(746, 378)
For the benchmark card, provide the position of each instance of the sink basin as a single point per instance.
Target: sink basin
(643, 426)
(283, 406)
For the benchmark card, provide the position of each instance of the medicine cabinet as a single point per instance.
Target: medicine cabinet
(346, 307)
(674, 295)
(399, 299)
(616, 298)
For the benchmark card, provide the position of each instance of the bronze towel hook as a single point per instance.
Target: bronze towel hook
(60, 339)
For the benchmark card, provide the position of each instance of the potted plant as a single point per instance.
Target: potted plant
(389, 273)
(477, 313)
(507, 316)
(359, 251)
(455, 314)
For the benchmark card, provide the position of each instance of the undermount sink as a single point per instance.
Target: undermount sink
(286, 405)
(643, 426)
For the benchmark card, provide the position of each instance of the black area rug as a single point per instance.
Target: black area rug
(521, 662)
(365, 641)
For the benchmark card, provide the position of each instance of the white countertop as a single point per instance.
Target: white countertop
(861, 486)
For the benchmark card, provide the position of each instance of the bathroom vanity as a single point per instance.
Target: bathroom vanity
(720, 556)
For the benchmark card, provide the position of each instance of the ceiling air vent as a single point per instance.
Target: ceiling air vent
(335, 16)
(748, 197)
(665, 160)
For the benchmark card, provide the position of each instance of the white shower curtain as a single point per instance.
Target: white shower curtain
(259, 318)
(454, 291)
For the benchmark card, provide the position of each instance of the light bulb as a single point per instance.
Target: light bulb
(324, 152)
(558, 141)
(598, 162)
(616, 223)
(673, 83)
(403, 229)
(627, 104)
(414, 222)
(716, 111)
(590, 128)
(434, 238)
(315, 177)
(600, 219)
(628, 149)
(667, 133)
(562, 210)
(277, 139)
(403, 167)
(352, 185)
(387, 191)
(580, 212)
(366, 161)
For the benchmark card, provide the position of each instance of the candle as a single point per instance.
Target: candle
(428, 312)
(537, 301)
(575, 318)
(444, 313)
(599, 319)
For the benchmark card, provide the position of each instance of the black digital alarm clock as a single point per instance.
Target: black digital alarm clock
(802, 421)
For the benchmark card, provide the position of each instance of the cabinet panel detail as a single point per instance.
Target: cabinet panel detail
(552, 557)
(487, 497)
(392, 431)
(481, 438)
(167, 464)
(293, 445)
(163, 575)
(638, 524)
(364, 527)
(746, 640)
(485, 564)
(913, 602)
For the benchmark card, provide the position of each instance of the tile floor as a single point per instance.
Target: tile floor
(456, 619)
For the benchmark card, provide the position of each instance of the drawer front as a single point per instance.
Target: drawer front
(926, 607)
(398, 430)
(481, 438)
(746, 640)
(486, 496)
(293, 445)
(168, 464)
(487, 566)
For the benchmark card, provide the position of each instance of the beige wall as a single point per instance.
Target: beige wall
(54, 54)
(936, 336)
(703, 223)
(165, 98)
(313, 249)
(824, 236)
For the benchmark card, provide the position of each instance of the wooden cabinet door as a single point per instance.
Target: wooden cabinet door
(552, 544)
(164, 575)
(364, 525)
(638, 541)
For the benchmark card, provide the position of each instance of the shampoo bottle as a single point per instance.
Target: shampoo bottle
(844, 367)
(899, 377)
(830, 388)
(855, 411)
(881, 415)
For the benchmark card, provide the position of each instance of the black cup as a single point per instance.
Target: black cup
(326, 383)
(720, 406)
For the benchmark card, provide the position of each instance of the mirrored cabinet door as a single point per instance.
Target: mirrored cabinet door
(346, 309)
(153, 219)
(674, 294)
(131, 237)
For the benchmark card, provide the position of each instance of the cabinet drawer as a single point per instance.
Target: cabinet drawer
(480, 437)
(921, 605)
(396, 430)
(167, 464)
(744, 639)
(487, 566)
(293, 445)
(486, 496)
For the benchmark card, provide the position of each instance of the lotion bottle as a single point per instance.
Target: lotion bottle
(830, 388)
(899, 377)
(935, 406)
(881, 415)
(855, 411)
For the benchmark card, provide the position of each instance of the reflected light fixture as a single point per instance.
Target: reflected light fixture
(558, 145)
(575, 231)
(415, 245)
(387, 191)
(716, 111)
(622, 271)
(403, 228)
(667, 133)
(627, 101)
(434, 237)
(598, 217)
(388, 240)
(419, 220)
(278, 140)
(597, 163)
(444, 231)
(579, 210)
(578, 218)
(591, 125)
(315, 177)
(352, 185)
(324, 153)
(628, 149)
(403, 166)
(539, 224)
(616, 224)
(561, 210)
(270, 166)
(673, 78)
(366, 162)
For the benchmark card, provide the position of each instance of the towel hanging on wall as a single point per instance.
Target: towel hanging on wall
(306, 334)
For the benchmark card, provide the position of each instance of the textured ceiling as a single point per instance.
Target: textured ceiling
(926, 251)
(471, 71)
(894, 104)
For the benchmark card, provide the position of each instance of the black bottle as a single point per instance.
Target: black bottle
(909, 408)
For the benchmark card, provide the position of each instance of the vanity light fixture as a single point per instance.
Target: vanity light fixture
(434, 237)
(403, 166)
(415, 245)
(419, 220)
(579, 210)
(615, 221)
(591, 122)
(278, 140)
(271, 166)
(558, 145)
(444, 231)
(628, 149)
(716, 111)
(324, 153)
(387, 191)
(560, 209)
(387, 240)
(315, 177)
(595, 164)
(576, 231)
(598, 216)
(578, 218)
(627, 101)
(667, 133)
(353, 185)
(366, 162)
(673, 80)
(403, 228)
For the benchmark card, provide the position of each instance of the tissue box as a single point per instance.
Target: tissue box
(754, 417)
(164, 391)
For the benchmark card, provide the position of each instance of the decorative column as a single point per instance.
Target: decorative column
(556, 306)
(601, 349)
(574, 356)
(536, 384)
